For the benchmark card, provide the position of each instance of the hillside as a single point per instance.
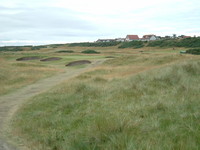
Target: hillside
(139, 98)
(153, 98)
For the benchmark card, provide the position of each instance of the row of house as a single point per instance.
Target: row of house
(149, 37)
(131, 38)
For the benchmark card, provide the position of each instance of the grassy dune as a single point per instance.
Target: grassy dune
(113, 107)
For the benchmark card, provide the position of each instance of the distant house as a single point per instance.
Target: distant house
(149, 37)
(158, 37)
(132, 38)
(186, 37)
(120, 39)
(105, 40)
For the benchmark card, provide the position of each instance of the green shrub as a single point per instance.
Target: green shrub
(38, 47)
(188, 42)
(193, 51)
(10, 48)
(132, 44)
(65, 51)
(100, 44)
(90, 52)
(57, 45)
(35, 48)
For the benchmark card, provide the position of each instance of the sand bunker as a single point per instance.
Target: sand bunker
(28, 58)
(51, 59)
(80, 62)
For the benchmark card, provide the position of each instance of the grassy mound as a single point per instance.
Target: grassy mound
(90, 52)
(65, 51)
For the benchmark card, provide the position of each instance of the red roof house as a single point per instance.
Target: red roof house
(132, 38)
(186, 37)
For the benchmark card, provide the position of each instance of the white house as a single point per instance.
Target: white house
(120, 39)
(149, 37)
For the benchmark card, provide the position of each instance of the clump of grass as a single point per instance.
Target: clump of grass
(89, 51)
(154, 110)
(65, 51)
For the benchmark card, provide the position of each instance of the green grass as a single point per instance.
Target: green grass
(153, 110)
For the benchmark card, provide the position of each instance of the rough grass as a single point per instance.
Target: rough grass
(145, 59)
(14, 75)
(156, 109)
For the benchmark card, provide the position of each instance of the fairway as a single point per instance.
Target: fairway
(125, 99)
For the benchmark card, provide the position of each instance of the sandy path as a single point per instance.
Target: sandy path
(10, 103)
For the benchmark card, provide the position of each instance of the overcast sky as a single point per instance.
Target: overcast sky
(63, 21)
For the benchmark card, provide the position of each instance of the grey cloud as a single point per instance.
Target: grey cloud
(42, 22)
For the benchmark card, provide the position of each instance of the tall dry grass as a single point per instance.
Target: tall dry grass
(14, 75)
(153, 110)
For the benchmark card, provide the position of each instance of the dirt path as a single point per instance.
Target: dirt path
(10, 103)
